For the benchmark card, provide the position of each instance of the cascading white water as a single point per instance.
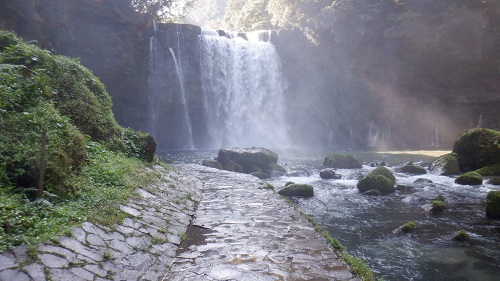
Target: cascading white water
(372, 136)
(187, 118)
(243, 91)
(152, 103)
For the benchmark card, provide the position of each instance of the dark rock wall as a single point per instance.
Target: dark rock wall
(107, 37)
(407, 86)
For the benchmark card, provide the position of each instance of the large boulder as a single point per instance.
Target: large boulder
(411, 168)
(445, 165)
(328, 174)
(379, 182)
(257, 161)
(211, 163)
(341, 161)
(302, 190)
(477, 148)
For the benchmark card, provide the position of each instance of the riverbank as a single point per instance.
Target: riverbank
(241, 230)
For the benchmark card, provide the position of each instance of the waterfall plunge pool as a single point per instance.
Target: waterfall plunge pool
(367, 225)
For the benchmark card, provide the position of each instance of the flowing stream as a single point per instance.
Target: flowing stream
(367, 225)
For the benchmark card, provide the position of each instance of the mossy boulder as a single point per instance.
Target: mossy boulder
(445, 165)
(411, 168)
(408, 227)
(302, 190)
(461, 236)
(494, 181)
(493, 204)
(438, 205)
(341, 161)
(477, 148)
(381, 179)
(491, 170)
(250, 160)
(139, 144)
(470, 178)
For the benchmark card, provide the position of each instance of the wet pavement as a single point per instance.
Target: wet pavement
(243, 231)
(199, 223)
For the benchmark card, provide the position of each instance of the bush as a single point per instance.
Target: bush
(139, 144)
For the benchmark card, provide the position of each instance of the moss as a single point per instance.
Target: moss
(493, 204)
(491, 170)
(381, 179)
(410, 168)
(461, 236)
(446, 165)
(495, 181)
(303, 190)
(470, 178)
(438, 206)
(342, 161)
(477, 148)
(408, 227)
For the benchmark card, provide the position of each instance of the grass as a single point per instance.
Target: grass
(108, 180)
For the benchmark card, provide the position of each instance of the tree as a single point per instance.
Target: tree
(163, 10)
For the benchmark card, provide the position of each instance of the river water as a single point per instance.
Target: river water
(367, 225)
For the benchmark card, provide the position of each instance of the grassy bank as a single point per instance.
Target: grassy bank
(108, 180)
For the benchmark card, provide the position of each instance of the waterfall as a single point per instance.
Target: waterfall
(243, 90)
(480, 121)
(372, 136)
(152, 101)
(187, 119)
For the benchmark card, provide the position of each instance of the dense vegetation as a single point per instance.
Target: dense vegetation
(87, 164)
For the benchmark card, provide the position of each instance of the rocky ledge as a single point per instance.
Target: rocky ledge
(240, 230)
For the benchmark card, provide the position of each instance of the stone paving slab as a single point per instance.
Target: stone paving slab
(238, 231)
(242, 231)
(142, 247)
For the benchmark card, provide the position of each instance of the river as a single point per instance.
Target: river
(367, 225)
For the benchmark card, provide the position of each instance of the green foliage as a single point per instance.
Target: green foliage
(470, 178)
(139, 144)
(438, 205)
(408, 227)
(108, 181)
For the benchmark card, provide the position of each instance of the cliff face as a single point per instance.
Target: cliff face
(414, 84)
(107, 37)
(419, 83)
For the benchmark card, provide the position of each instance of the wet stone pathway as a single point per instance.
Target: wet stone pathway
(199, 223)
(243, 231)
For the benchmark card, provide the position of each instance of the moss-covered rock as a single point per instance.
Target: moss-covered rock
(438, 205)
(445, 165)
(477, 148)
(408, 227)
(250, 160)
(470, 178)
(411, 168)
(139, 144)
(461, 236)
(381, 179)
(494, 181)
(302, 190)
(491, 170)
(493, 204)
(341, 161)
